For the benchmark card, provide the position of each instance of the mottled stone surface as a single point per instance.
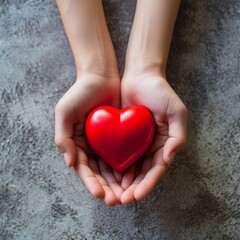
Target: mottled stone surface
(41, 199)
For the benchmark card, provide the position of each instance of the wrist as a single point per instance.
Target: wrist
(142, 66)
(145, 54)
(97, 68)
(96, 62)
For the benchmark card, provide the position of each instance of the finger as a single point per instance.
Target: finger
(63, 134)
(88, 171)
(85, 173)
(111, 181)
(109, 196)
(177, 134)
(128, 177)
(146, 186)
(79, 136)
(117, 175)
(153, 176)
(128, 195)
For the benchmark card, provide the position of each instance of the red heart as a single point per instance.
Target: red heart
(120, 137)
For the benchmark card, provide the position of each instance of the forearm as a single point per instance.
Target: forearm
(151, 35)
(87, 33)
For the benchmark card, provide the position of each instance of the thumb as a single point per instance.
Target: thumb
(64, 134)
(177, 135)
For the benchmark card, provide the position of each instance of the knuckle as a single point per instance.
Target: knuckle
(59, 108)
(183, 109)
(58, 141)
(98, 194)
(183, 141)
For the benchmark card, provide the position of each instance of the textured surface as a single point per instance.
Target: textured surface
(41, 199)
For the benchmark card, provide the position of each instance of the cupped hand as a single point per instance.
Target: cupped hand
(153, 92)
(89, 91)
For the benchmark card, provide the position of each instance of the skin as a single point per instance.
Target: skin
(97, 84)
(144, 83)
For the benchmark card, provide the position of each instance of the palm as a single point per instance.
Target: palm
(155, 93)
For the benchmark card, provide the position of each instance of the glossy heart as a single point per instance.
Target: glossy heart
(120, 137)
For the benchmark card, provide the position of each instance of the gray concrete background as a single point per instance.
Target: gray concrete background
(41, 199)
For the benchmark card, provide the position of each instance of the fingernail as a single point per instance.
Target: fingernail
(66, 159)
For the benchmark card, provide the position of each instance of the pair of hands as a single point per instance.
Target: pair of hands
(98, 83)
(104, 88)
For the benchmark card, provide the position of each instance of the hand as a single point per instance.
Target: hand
(154, 92)
(88, 92)
(97, 84)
